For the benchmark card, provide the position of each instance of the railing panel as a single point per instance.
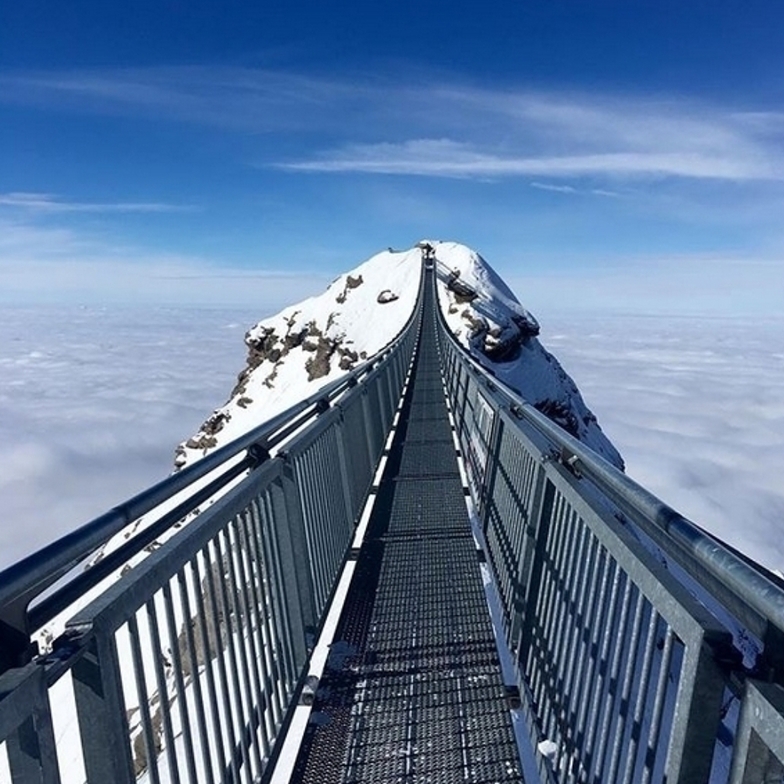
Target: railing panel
(621, 669)
(759, 751)
(26, 726)
(316, 461)
(192, 652)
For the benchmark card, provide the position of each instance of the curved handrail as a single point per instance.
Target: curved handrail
(749, 581)
(24, 581)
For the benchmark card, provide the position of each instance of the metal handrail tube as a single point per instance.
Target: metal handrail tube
(564, 529)
(27, 579)
(198, 653)
(48, 608)
(749, 582)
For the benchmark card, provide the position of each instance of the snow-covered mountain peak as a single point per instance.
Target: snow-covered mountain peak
(309, 344)
(486, 317)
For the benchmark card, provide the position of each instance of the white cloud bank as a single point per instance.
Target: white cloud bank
(94, 402)
(696, 407)
(40, 263)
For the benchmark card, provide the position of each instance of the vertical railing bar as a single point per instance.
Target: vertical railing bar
(255, 638)
(275, 615)
(171, 627)
(268, 612)
(658, 702)
(613, 686)
(242, 615)
(310, 565)
(231, 646)
(279, 618)
(328, 464)
(642, 690)
(629, 668)
(573, 652)
(231, 735)
(544, 615)
(201, 706)
(584, 682)
(561, 616)
(163, 693)
(318, 490)
(557, 535)
(585, 671)
(318, 495)
(602, 663)
(144, 702)
(31, 747)
(299, 480)
(200, 585)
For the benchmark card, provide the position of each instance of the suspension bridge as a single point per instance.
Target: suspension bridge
(411, 576)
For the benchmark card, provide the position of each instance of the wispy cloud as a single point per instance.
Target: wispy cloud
(570, 189)
(434, 128)
(48, 203)
(232, 98)
(545, 186)
(449, 158)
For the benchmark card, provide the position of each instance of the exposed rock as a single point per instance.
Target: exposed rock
(318, 366)
(215, 422)
(201, 442)
(348, 358)
(561, 413)
(180, 457)
(351, 283)
(205, 438)
(386, 296)
(462, 291)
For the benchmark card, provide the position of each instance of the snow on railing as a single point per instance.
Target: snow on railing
(645, 649)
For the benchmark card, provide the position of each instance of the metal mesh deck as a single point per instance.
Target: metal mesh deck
(412, 691)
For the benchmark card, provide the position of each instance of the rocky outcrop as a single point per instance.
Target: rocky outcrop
(351, 283)
(386, 296)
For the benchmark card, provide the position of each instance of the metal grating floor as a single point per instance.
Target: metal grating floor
(412, 691)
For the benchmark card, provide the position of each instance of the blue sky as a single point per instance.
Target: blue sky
(600, 154)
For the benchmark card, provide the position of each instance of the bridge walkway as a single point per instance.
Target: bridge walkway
(413, 691)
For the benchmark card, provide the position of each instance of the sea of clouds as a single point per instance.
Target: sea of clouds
(696, 407)
(94, 401)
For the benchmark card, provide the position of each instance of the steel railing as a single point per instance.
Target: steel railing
(645, 649)
(643, 646)
(184, 668)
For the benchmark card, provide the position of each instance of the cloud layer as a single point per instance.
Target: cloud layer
(695, 406)
(95, 400)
